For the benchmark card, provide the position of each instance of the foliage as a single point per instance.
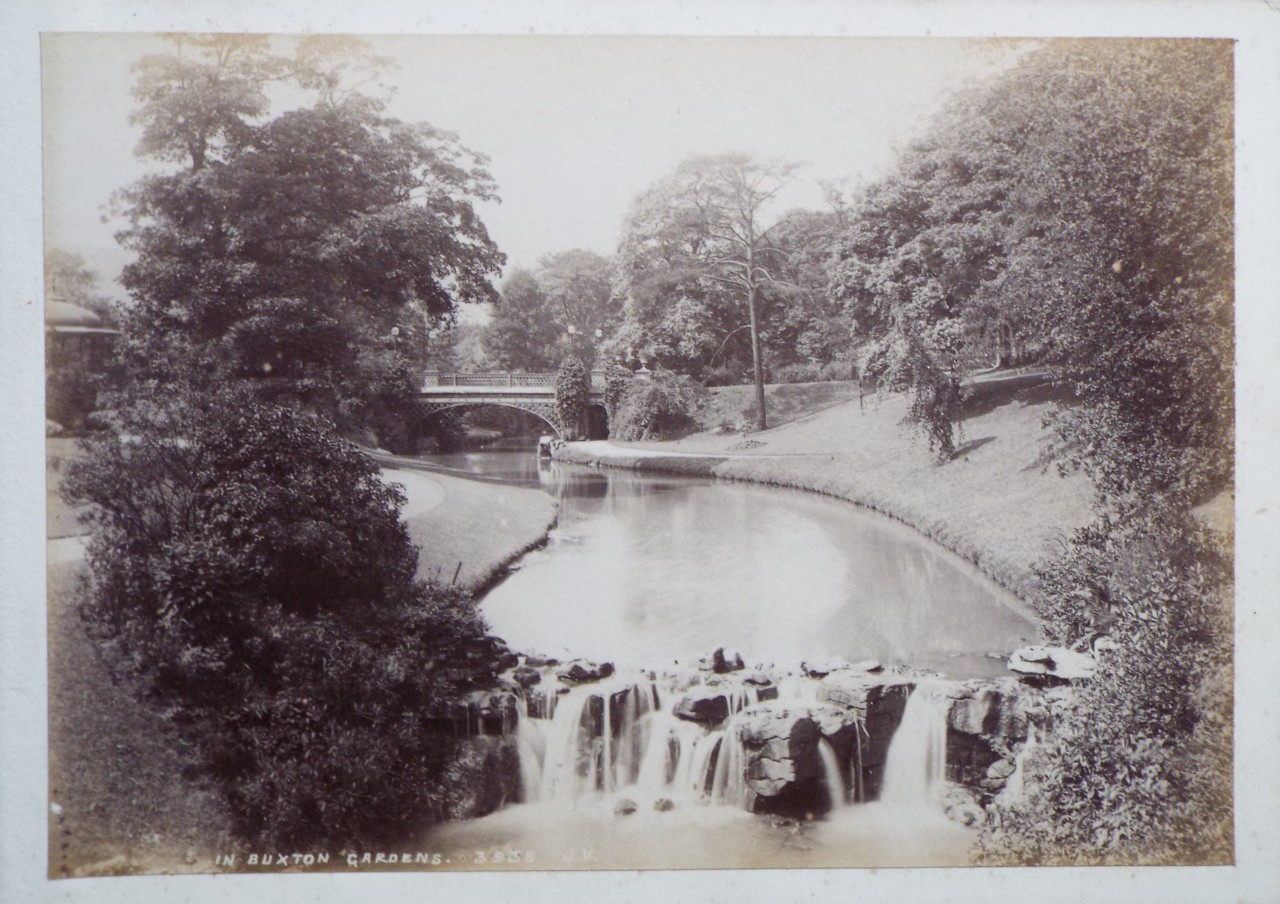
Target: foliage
(308, 255)
(810, 373)
(1081, 203)
(661, 407)
(617, 380)
(520, 336)
(573, 389)
(543, 315)
(1138, 769)
(251, 569)
(696, 261)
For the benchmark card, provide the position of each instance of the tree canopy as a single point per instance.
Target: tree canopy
(697, 258)
(543, 315)
(310, 253)
(1080, 203)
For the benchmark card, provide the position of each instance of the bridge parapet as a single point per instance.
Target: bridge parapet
(432, 379)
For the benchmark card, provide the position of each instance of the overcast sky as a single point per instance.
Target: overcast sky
(575, 127)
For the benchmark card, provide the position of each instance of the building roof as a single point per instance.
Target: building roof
(63, 313)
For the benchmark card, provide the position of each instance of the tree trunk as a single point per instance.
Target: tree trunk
(756, 363)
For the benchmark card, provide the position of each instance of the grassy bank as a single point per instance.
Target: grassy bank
(473, 530)
(999, 503)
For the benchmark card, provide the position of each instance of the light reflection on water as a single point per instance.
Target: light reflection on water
(644, 570)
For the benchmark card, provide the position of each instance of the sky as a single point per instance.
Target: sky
(574, 127)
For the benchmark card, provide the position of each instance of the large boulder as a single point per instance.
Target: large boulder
(580, 671)
(782, 762)
(1057, 663)
(705, 705)
(722, 663)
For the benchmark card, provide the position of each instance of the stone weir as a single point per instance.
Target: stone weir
(795, 743)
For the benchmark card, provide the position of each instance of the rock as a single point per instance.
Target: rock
(757, 679)
(765, 694)
(540, 661)
(580, 670)
(847, 689)
(782, 762)
(814, 669)
(1056, 662)
(706, 705)
(1000, 769)
(664, 804)
(867, 665)
(722, 663)
(624, 807)
(526, 677)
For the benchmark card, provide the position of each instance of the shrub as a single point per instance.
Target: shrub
(250, 568)
(660, 407)
(573, 388)
(730, 374)
(617, 379)
(1138, 769)
(797, 373)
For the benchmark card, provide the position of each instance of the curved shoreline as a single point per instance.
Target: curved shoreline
(788, 472)
(468, 532)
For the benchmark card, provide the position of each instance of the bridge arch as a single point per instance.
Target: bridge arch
(543, 412)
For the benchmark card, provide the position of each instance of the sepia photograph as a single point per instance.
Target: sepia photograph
(702, 454)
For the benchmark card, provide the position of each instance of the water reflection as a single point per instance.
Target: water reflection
(645, 570)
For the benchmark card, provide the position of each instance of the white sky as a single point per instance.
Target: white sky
(575, 127)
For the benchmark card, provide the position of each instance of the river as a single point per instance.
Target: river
(647, 570)
(652, 573)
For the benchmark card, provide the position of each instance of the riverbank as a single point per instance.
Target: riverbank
(1000, 503)
(467, 532)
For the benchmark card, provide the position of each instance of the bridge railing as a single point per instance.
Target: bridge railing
(433, 378)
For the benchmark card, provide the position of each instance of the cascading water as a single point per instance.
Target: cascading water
(917, 760)
(610, 740)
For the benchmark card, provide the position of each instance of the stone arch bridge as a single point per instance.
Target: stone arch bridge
(446, 395)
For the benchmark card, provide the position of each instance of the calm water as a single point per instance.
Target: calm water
(647, 570)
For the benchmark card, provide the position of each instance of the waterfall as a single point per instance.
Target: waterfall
(831, 775)
(917, 759)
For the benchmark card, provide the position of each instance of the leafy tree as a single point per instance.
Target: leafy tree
(543, 315)
(808, 324)
(573, 388)
(661, 407)
(309, 254)
(1082, 201)
(697, 256)
(251, 569)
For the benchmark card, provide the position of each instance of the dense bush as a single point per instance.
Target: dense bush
(250, 568)
(728, 374)
(812, 372)
(573, 389)
(663, 406)
(617, 380)
(1138, 768)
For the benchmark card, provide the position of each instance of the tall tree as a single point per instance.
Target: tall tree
(1083, 200)
(310, 252)
(544, 315)
(520, 336)
(705, 224)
